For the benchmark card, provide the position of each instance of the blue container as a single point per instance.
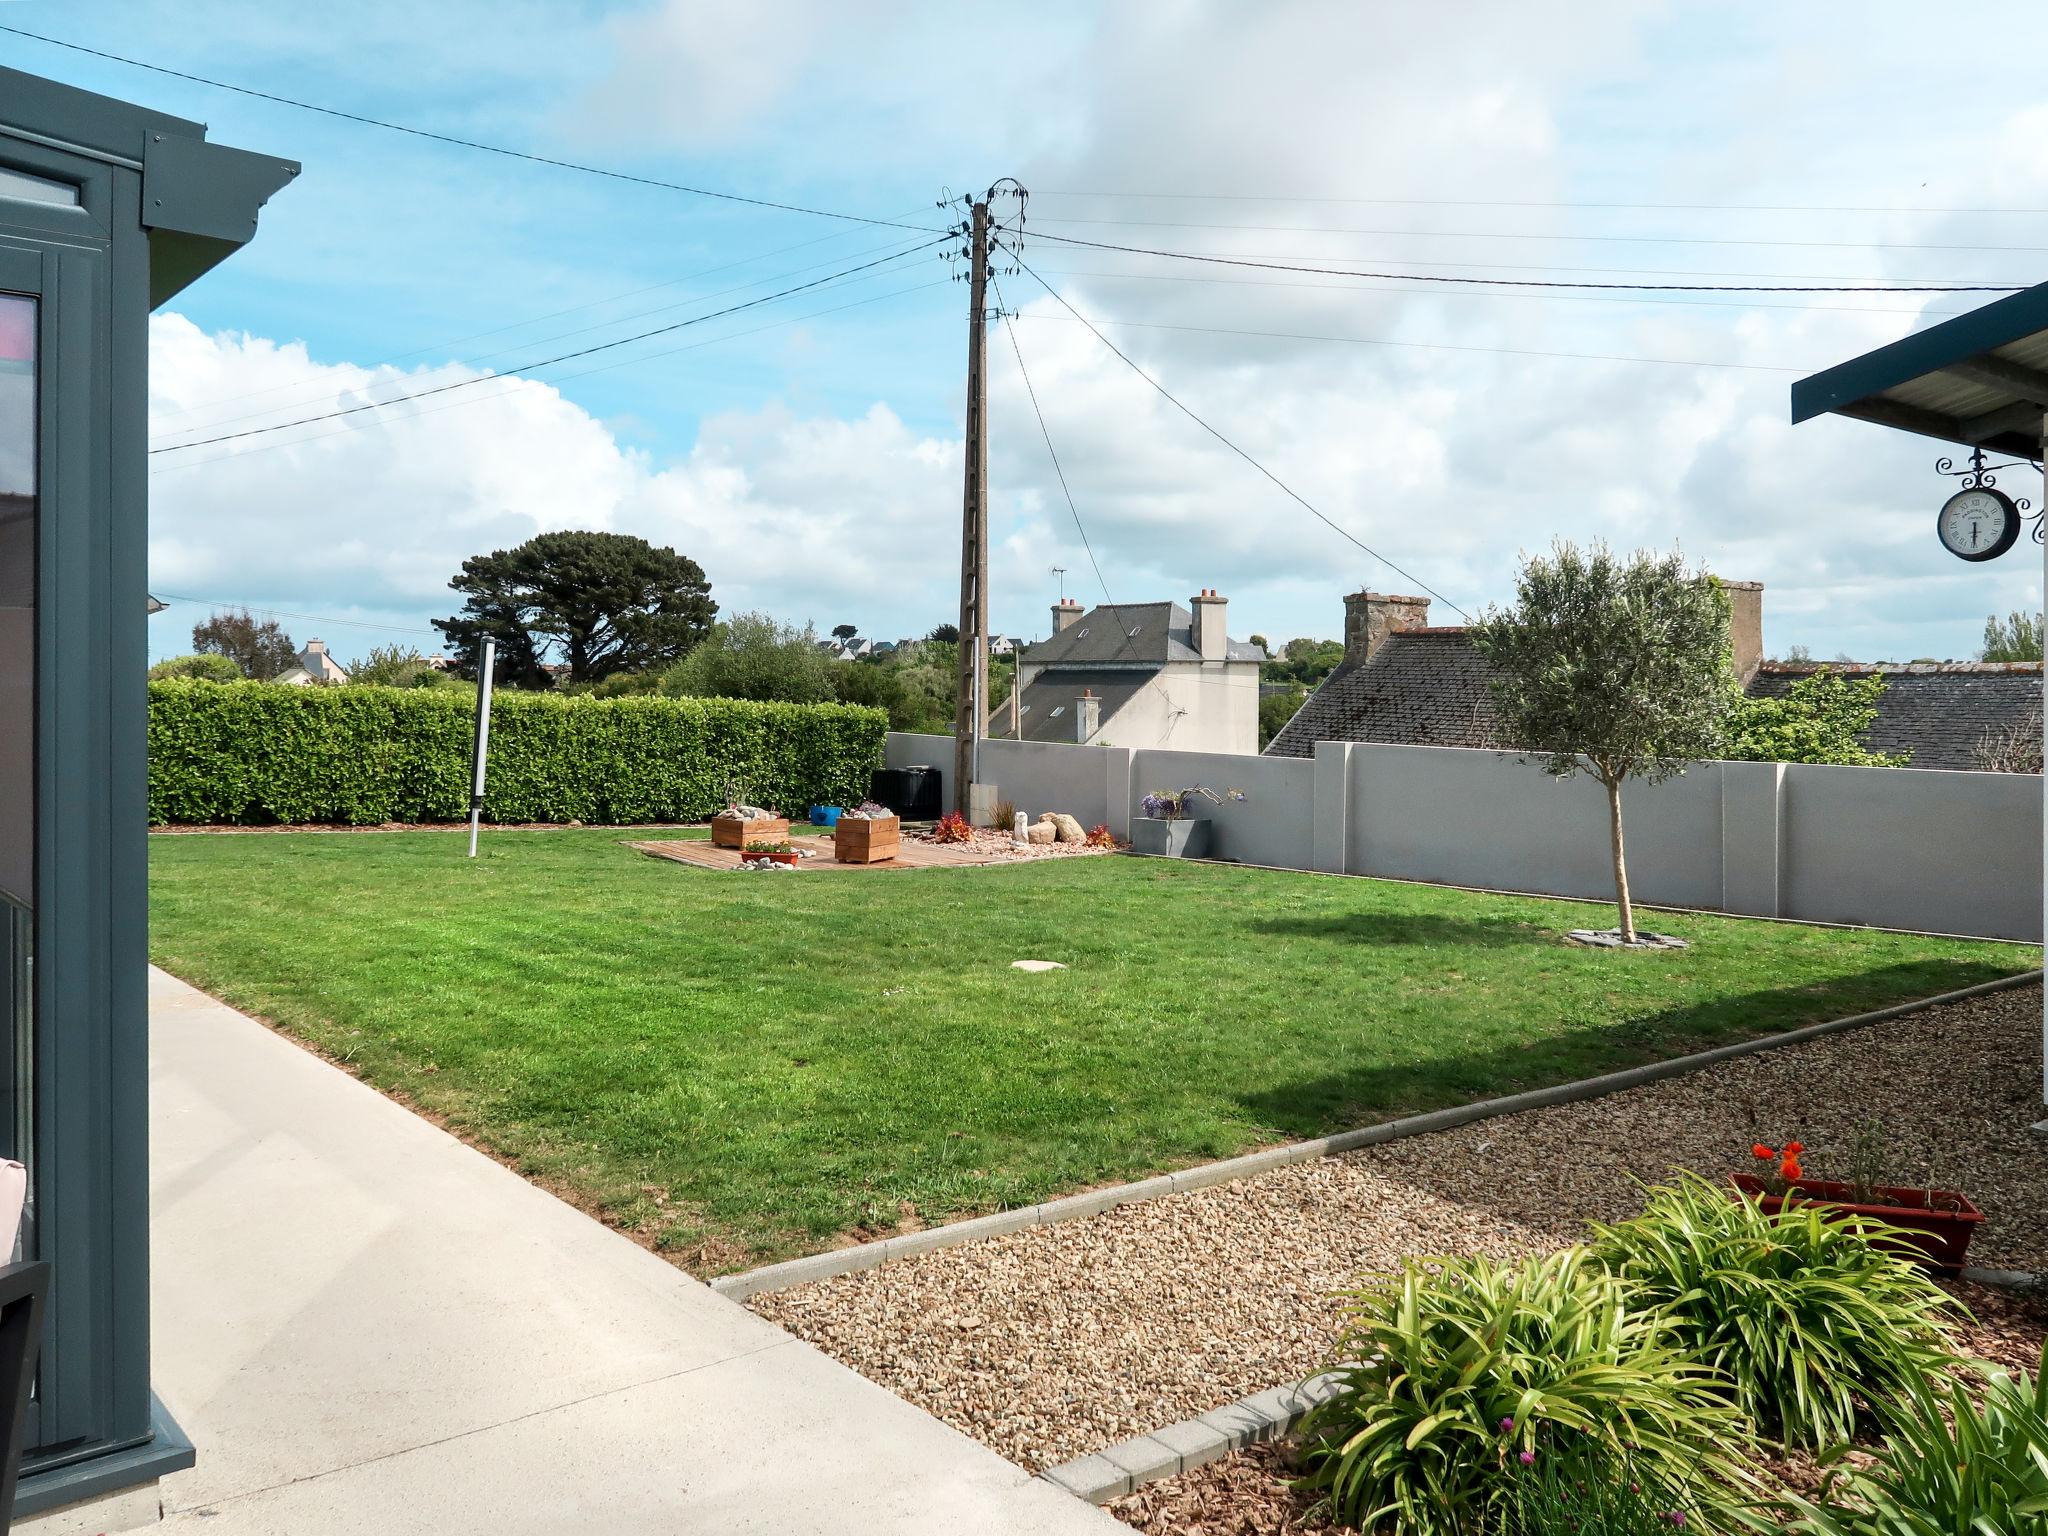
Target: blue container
(824, 815)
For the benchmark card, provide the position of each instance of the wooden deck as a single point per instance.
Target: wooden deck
(915, 853)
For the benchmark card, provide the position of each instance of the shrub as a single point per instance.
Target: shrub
(1800, 1311)
(212, 667)
(255, 753)
(1006, 815)
(1464, 1375)
(1953, 1461)
(952, 828)
(751, 656)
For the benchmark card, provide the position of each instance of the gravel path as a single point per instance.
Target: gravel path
(1055, 1341)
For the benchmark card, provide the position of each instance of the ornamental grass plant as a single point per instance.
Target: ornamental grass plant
(1465, 1377)
(1805, 1313)
(1955, 1462)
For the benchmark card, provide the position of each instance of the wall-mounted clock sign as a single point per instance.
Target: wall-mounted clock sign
(1980, 523)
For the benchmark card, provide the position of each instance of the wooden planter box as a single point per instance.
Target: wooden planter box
(733, 832)
(855, 841)
(772, 856)
(1934, 1236)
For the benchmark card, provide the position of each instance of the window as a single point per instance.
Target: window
(24, 188)
(17, 704)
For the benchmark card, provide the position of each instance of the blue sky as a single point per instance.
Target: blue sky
(813, 465)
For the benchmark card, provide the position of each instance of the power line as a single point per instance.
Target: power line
(898, 247)
(1853, 283)
(1509, 282)
(603, 346)
(1470, 202)
(1574, 298)
(237, 455)
(1494, 234)
(461, 143)
(283, 613)
(1116, 612)
(1448, 346)
(1186, 411)
(553, 314)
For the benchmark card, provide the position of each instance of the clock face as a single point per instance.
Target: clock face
(1978, 524)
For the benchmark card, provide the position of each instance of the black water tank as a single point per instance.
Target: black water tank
(912, 793)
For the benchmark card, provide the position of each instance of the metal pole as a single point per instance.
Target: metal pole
(968, 721)
(483, 738)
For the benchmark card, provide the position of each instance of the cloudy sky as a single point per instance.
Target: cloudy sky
(808, 451)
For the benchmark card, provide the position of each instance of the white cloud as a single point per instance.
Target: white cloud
(807, 517)
(1452, 445)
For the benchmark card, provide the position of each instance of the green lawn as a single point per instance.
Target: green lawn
(741, 1067)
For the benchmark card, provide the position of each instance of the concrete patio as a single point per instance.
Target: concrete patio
(366, 1326)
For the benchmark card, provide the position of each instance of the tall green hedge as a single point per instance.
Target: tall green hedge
(262, 753)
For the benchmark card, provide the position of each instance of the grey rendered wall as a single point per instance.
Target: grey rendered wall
(1892, 847)
(1089, 783)
(1092, 784)
(1274, 823)
(1914, 848)
(1465, 817)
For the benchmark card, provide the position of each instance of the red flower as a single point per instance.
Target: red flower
(1789, 1169)
(1794, 1148)
(1762, 1153)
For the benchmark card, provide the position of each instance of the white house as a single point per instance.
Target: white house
(314, 666)
(1138, 675)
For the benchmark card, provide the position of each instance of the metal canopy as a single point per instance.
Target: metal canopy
(1980, 380)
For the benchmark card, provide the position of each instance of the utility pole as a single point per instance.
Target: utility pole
(969, 720)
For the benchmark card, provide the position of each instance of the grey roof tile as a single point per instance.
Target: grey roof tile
(1429, 687)
(1129, 634)
(1423, 687)
(1938, 712)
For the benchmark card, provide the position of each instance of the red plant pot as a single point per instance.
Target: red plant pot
(1934, 1226)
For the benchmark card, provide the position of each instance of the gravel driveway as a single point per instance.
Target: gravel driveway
(1054, 1341)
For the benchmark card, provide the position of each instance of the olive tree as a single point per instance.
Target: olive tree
(1616, 666)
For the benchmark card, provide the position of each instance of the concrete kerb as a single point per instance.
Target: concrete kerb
(843, 1261)
(1111, 1473)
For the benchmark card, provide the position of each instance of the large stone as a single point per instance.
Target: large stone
(1043, 832)
(1070, 830)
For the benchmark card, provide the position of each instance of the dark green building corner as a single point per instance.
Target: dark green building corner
(107, 210)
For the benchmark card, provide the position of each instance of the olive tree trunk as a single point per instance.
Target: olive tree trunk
(1628, 916)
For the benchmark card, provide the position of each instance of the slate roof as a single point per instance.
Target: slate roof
(1423, 688)
(1130, 634)
(1937, 711)
(1046, 705)
(1428, 687)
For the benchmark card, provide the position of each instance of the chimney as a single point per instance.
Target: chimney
(1087, 716)
(316, 647)
(1211, 639)
(1369, 617)
(1745, 626)
(1064, 612)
